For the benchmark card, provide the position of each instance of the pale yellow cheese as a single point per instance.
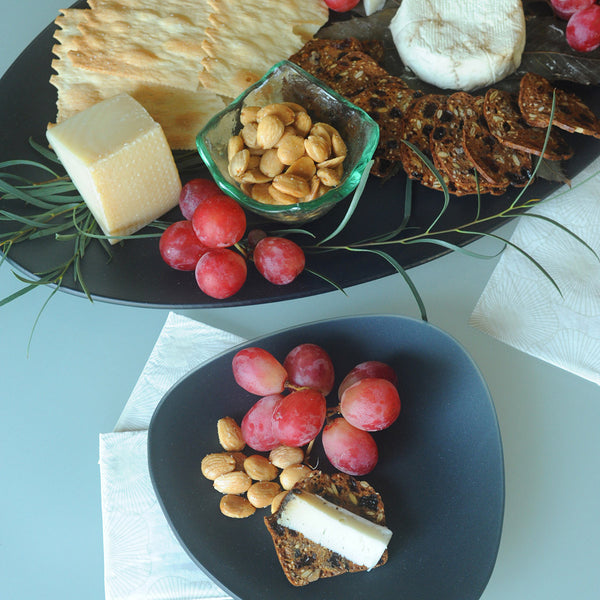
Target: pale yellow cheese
(119, 159)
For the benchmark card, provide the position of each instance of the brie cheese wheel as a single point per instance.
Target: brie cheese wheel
(119, 160)
(372, 6)
(460, 44)
(353, 537)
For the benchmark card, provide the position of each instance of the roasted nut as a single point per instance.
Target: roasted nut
(270, 164)
(281, 197)
(303, 167)
(276, 502)
(239, 457)
(290, 149)
(291, 475)
(248, 134)
(329, 177)
(284, 456)
(260, 468)
(239, 163)
(255, 176)
(260, 193)
(338, 145)
(294, 106)
(234, 145)
(262, 493)
(283, 112)
(317, 147)
(249, 114)
(332, 162)
(216, 464)
(236, 507)
(236, 482)
(269, 131)
(291, 184)
(230, 434)
(303, 123)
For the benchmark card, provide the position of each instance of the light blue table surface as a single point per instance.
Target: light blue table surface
(85, 358)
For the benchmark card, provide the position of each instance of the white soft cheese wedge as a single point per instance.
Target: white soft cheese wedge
(336, 528)
(372, 6)
(460, 44)
(119, 159)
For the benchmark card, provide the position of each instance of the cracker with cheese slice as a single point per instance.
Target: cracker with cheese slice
(246, 38)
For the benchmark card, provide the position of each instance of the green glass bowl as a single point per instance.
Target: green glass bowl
(286, 82)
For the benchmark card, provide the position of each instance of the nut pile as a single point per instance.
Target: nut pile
(281, 157)
(254, 481)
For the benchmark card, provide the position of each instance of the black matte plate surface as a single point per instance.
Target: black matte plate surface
(136, 274)
(440, 472)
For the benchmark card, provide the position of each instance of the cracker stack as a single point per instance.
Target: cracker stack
(183, 60)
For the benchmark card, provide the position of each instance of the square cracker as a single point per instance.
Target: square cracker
(157, 42)
(246, 38)
(180, 112)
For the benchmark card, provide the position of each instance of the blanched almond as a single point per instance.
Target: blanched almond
(216, 464)
(292, 475)
(276, 502)
(317, 147)
(270, 164)
(260, 193)
(284, 456)
(236, 482)
(239, 163)
(261, 493)
(269, 131)
(281, 197)
(230, 434)
(283, 112)
(303, 123)
(291, 184)
(303, 167)
(248, 134)
(290, 149)
(329, 177)
(260, 468)
(234, 145)
(249, 114)
(236, 507)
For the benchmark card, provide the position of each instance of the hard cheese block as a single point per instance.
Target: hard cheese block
(119, 159)
(336, 528)
(460, 44)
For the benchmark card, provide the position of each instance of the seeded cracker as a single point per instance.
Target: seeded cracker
(181, 112)
(570, 112)
(496, 163)
(304, 561)
(246, 38)
(505, 121)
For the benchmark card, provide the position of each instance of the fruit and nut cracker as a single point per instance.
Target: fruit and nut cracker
(246, 38)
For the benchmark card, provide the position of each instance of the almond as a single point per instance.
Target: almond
(216, 464)
(283, 112)
(291, 475)
(239, 163)
(234, 145)
(262, 493)
(276, 502)
(290, 149)
(270, 164)
(230, 434)
(303, 167)
(269, 131)
(317, 147)
(236, 482)
(249, 114)
(284, 456)
(236, 507)
(260, 468)
(291, 184)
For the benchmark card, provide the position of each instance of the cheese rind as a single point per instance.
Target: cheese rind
(460, 44)
(353, 537)
(120, 162)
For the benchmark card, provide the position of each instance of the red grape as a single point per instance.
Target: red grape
(221, 272)
(278, 259)
(258, 372)
(257, 424)
(219, 221)
(563, 9)
(349, 449)
(308, 365)
(299, 416)
(341, 5)
(370, 368)
(179, 246)
(371, 404)
(193, 192)
(583, 29)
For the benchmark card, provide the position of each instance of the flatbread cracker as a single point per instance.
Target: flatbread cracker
(181, 113)
(246, 38)
(158, 43)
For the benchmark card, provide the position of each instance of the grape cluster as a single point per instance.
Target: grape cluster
(207, 240)
(292, 408)
(583, 22)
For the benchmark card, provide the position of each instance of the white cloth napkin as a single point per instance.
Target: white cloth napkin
(520, 306)
(142, 558)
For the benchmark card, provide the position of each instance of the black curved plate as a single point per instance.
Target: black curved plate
(440, 472)
(136, 275)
